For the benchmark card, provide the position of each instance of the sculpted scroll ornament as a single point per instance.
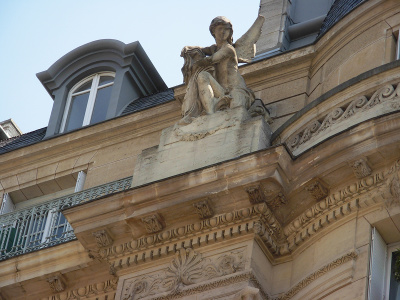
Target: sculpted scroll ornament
(188, 267)
(357, 110)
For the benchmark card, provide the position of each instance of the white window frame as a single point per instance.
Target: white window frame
(92, 97)
(51, 217)
(7, 205)
(390, 249)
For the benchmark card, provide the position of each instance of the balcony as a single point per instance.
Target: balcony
(44, 225)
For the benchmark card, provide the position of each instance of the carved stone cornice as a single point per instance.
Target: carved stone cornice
(91, 290)
(315, 275)
(214, 229)
(385, 100)
(260, 220)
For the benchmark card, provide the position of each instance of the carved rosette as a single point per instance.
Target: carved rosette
(103, 239)
(203, 209)
(188, 267)
(153, 223)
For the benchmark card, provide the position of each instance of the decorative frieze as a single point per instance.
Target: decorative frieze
(99, 289)
(153, 223)
(188, 267)
(56, 283)
(340, 118)
(333, 200)
(203, 209)
(228, 225)
(103, 239)
(361, 168)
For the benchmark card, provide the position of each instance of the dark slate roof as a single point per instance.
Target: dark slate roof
(36, 136)
(149, 101)
(339, 10)
(24, 140)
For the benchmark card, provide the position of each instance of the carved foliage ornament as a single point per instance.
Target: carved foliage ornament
(188, 267)
(103, 239)
(269, 192)
(153, 223)
(356, 108)
(317, 190)
(203, 209)
(57, 283)
(361, 168)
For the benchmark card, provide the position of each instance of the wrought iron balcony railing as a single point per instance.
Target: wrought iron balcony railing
(44, 225)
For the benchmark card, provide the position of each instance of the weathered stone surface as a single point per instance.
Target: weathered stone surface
(207, 140)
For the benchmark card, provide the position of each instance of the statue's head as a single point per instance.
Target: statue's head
(222, 21)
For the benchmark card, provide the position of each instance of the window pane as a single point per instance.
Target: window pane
(84, 87)
(77, 112)
(394, 292)
(101, 105)
(105, 80)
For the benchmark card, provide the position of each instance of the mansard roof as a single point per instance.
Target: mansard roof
(338, 11)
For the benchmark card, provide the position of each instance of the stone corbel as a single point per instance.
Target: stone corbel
(269, 192)
(361, 168)
(203, 209)
(317, 189)
(103, 239)
(153, 223)
(56, 283)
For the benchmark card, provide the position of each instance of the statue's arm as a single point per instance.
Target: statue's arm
(221, 54)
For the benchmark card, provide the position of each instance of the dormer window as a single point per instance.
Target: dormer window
(88, 101)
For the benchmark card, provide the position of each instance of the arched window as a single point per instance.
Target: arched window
(88, 101)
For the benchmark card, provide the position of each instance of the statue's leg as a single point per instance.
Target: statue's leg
(209, 91)
(241, 97)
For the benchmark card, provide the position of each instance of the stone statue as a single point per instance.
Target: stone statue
(211, 73)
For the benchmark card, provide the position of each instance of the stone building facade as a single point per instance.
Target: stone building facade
(296, 198)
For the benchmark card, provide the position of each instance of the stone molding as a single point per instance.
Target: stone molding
(359, 109)
(382, 187)
(187, 268)
(88, 291)
(315, 275)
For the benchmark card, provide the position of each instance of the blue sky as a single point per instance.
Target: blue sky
(36, 33)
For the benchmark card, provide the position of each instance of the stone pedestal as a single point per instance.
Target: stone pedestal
(207, 140)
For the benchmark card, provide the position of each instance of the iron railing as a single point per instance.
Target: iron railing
(44, 225)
